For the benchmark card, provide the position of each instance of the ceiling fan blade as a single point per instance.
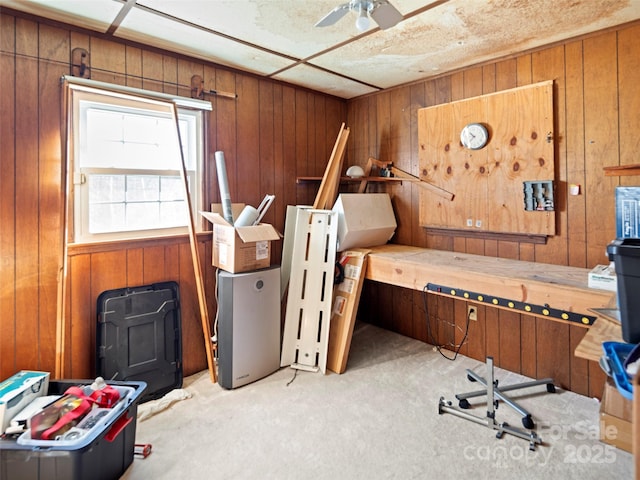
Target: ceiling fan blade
(385, 14)
(333, 16)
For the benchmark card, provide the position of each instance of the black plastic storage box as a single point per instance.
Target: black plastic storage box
(139, 337)
(103, 453)
(625, 253)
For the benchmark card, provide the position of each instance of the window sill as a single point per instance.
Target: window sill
(115, 245)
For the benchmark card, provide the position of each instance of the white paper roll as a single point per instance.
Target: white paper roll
(247, 217)
(223, 184)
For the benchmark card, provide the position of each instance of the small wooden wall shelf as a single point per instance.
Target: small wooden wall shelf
(622, 170)
(352, 180)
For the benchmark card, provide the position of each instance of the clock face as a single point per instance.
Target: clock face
(474, 136)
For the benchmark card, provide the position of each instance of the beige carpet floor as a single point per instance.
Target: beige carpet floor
(378, 420)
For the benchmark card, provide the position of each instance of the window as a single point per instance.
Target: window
(126, 161)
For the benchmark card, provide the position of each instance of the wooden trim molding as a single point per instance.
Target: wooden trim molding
(100, 247)
(506, 237)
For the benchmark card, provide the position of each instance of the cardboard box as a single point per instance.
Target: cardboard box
(614, 403)
(603, 277)
(346, 298)
(236, 209)
(364, 220)
(18, 391)
(615, 431)
(240, 249)
(627, 212)
(615, 418)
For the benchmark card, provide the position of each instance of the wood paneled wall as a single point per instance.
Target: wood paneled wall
(597, 111)
(271, 134)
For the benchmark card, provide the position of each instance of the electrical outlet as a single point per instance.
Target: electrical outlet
(472, 312)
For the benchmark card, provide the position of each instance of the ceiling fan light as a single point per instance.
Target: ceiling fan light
(362, 22)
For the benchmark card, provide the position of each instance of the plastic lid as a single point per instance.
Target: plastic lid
(624, 246)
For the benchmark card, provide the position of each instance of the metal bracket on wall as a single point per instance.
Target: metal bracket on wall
(198, 90)
(306, 328)
(80, 63)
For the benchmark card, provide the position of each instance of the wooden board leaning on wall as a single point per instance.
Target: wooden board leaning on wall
(488, 182)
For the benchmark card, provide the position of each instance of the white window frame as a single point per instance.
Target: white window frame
(82, 91)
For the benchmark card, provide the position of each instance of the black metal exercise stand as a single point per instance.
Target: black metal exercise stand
(494, 394)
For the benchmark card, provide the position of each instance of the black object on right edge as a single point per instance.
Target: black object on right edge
(625, 253)
(138, 337)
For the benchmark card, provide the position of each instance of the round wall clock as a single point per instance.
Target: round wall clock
(474, 136)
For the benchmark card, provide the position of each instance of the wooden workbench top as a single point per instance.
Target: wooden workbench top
(603, 330)
(560, 287)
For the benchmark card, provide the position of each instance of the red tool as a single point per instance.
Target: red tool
(339, 270)
(143, 449)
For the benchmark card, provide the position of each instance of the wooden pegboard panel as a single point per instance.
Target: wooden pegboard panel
(488, 183)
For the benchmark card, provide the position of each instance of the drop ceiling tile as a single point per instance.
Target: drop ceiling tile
(278, 25)
(322, 81)
(286, 26)
(95, 15)
(267, 36)
(145, 27)
(412, 50)
(456, 34)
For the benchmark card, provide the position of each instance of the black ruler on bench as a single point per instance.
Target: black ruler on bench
(528, 308)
